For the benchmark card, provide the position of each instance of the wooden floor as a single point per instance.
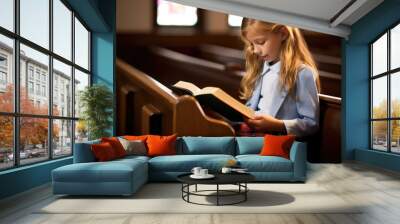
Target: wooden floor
(354, 182)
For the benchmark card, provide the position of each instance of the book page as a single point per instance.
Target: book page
(187, 85)
(232, 102)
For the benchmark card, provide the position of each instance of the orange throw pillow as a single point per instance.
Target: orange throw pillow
(135, 137)
(277, 145)
(103, 151)
(161, 145)
(116, 145)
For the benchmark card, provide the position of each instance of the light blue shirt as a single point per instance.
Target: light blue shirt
(299, 113)
(270, 76)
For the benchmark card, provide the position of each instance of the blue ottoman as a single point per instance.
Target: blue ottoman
(119, 177)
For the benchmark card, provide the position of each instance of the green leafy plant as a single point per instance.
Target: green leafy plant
(96, 103)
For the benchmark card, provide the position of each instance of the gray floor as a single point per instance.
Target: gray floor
(378, 188)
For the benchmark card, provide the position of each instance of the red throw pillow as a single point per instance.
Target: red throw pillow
(116, 145)
(277, 145)
(161, 145)
(103, 151)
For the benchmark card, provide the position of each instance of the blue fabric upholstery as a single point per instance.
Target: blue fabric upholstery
(298, 155)
(126, 175)
(208, 145)
(83, 152)
(184, 163)
(249, 145)
(118, 177)
(257, 163)
(132, 157)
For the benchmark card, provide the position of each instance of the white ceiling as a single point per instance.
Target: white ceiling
(315, 15)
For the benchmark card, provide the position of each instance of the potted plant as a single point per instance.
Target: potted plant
(96, 103)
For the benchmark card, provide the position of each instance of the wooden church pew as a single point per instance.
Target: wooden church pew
(170, 66)
(329, 67)
(146, 106)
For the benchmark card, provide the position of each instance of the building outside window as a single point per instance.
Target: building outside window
(3, 72)
(30, 87)
(30, 72)
(3, 78)
(58, 125)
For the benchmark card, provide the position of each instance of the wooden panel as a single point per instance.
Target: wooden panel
(170, 67)
(191, 122)
(330, 130)
(151, 120)
(317, 42)
(325, 145)
(182, 115)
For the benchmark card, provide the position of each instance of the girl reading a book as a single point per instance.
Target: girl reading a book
(281, 82)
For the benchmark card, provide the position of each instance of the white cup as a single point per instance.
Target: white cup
(226, 170)
(196, 170)
(203, 172)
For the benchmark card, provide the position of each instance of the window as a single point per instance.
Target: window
(30, 72)
(6, 73)
(61, 72)
(7, 14)
(37, 75)
(3, 61)
(44, 123)
(81, 81)
(3, 78)
(174, 14)
(6, 142)
(62, 30)
(385, 96)
(395, 47)
(33, 143)
(35, 21)
(81, 45)
(40, 62)
(235, 21)
(37, 89)
(3, 72)
(43, 90)
(30, 87)
(62, 137)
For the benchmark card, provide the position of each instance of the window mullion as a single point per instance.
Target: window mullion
(389, 106)
(16, 85)
(73, 83)
(371, 89)
(50, 81)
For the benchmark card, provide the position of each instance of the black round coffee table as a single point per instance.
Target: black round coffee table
(238, 179)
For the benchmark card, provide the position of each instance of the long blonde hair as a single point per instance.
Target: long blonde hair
(294, 52)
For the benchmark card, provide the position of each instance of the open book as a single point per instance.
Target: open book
(216, 99)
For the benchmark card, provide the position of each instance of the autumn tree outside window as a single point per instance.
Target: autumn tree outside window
(44, 64)
(385, 92)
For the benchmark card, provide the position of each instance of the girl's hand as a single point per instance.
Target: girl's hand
(265, 123)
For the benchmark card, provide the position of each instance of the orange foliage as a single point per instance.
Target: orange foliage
(33, 130)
